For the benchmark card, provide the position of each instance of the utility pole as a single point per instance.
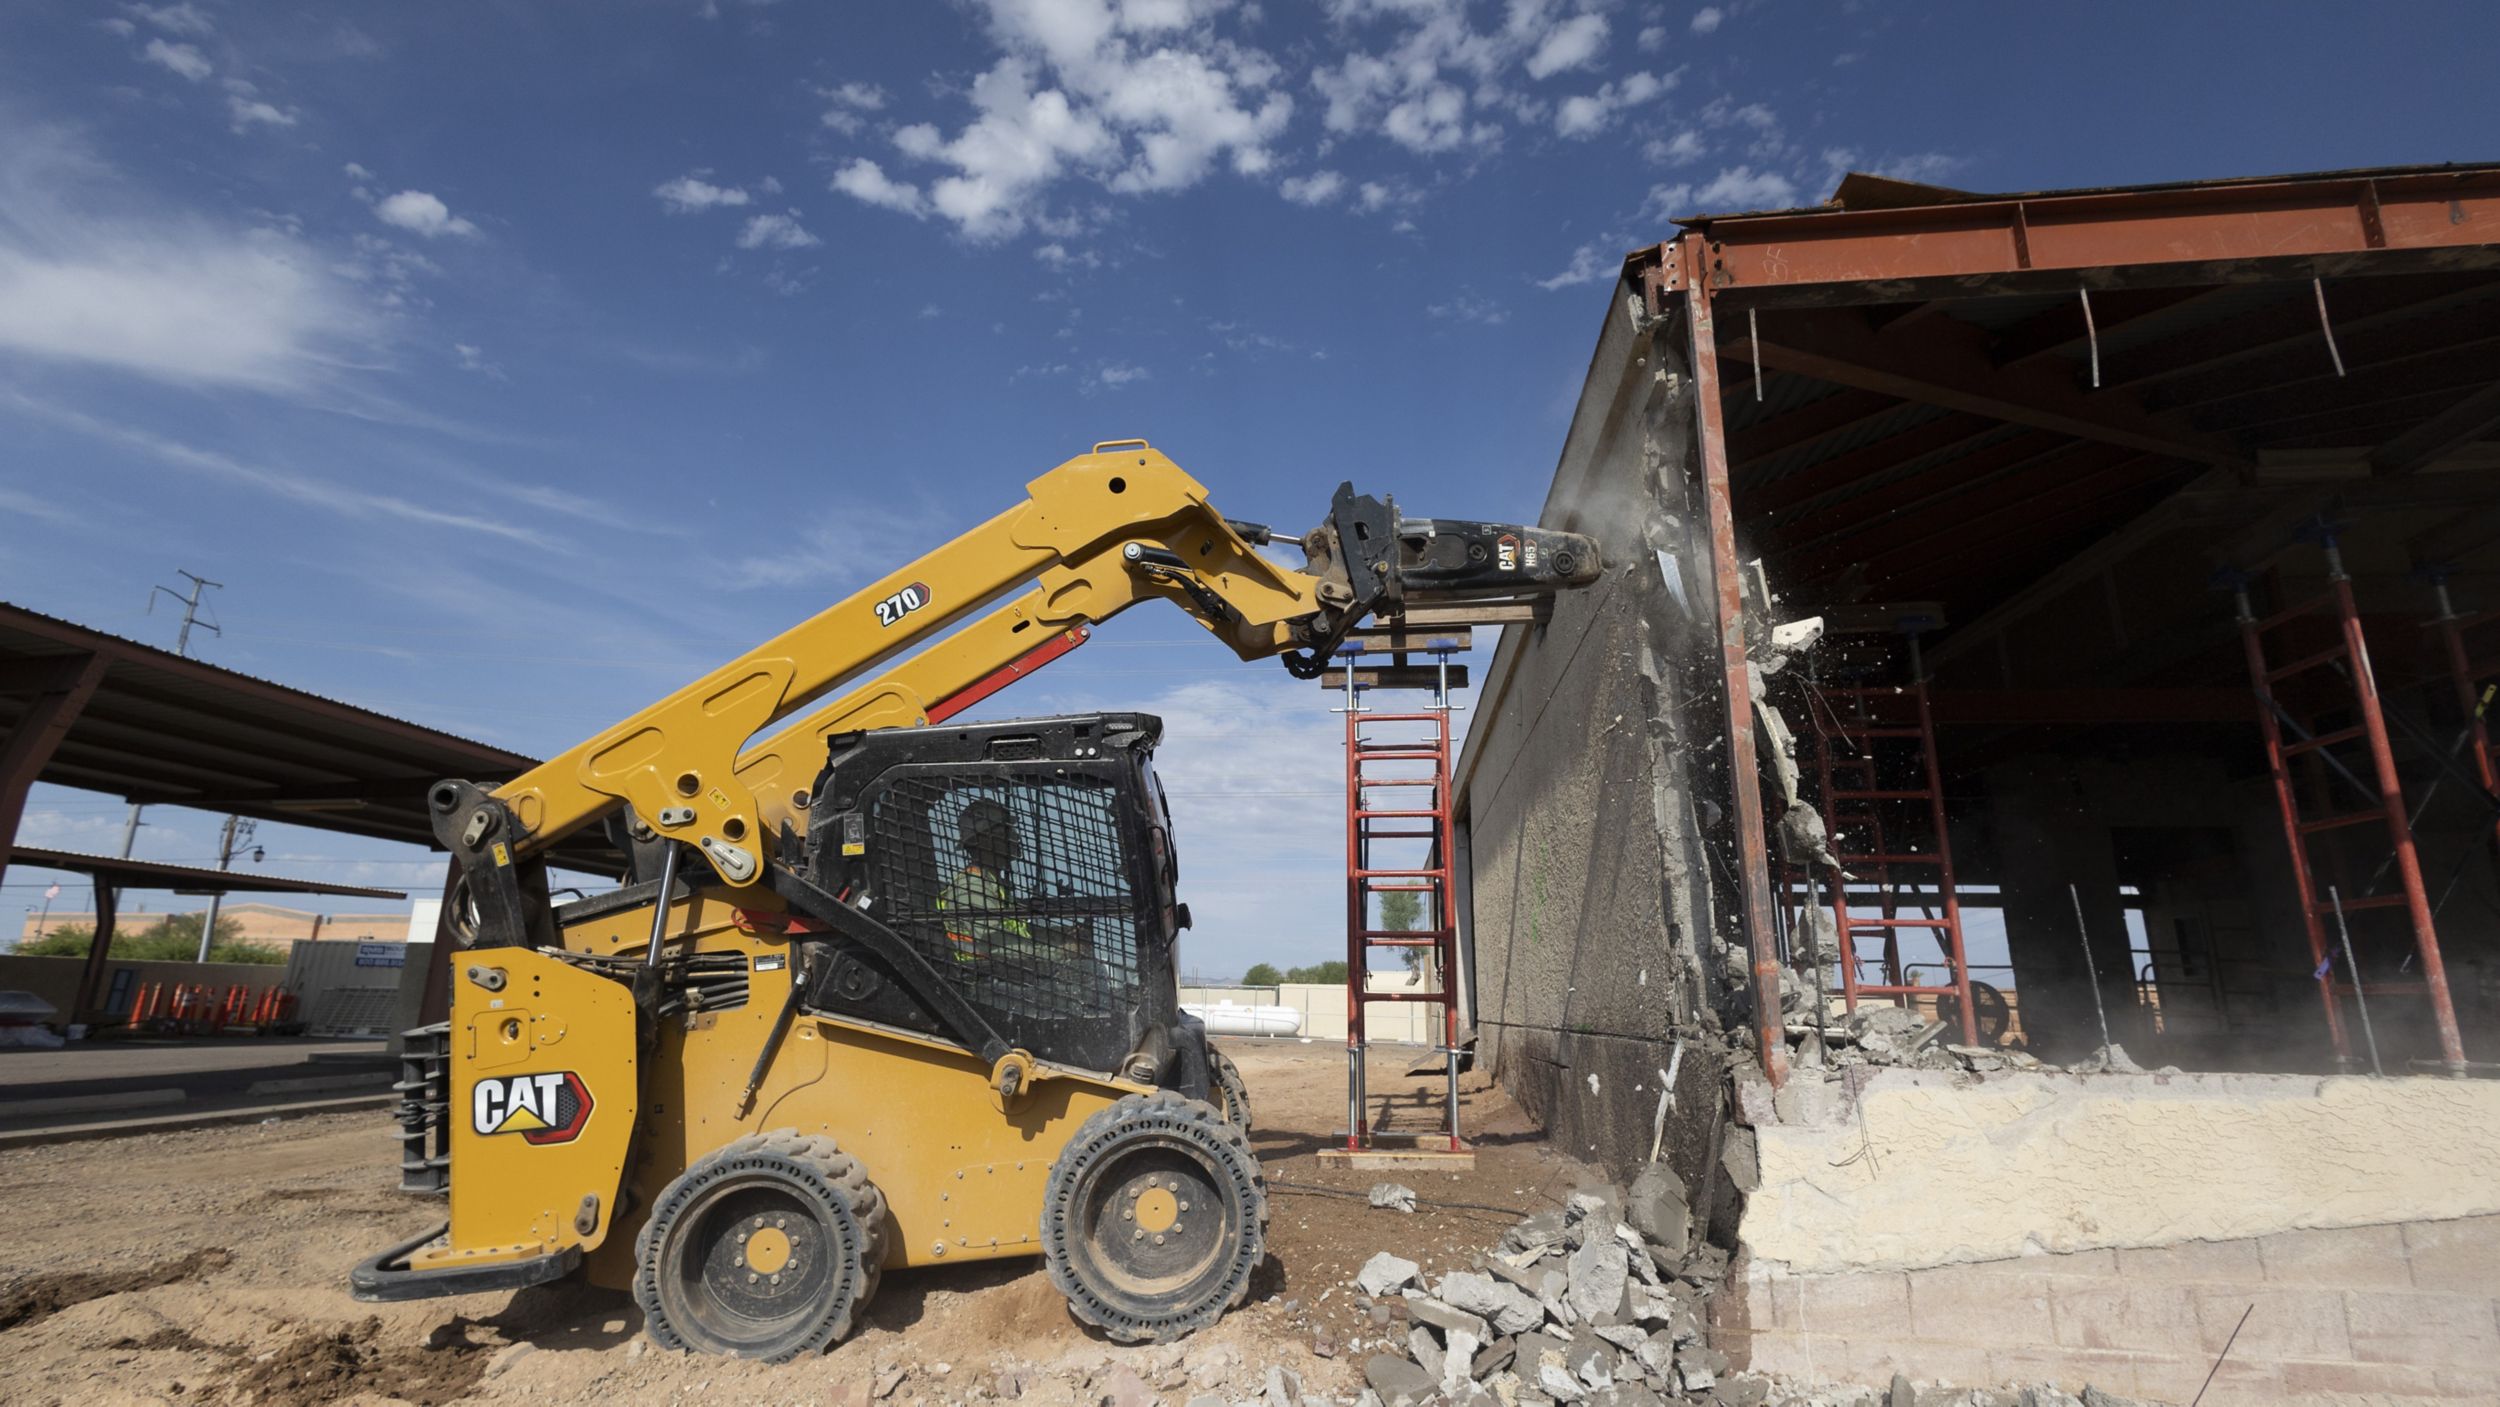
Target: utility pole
(182, 646)
(236, 835)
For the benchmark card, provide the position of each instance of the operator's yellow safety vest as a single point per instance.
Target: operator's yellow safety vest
(979, 897)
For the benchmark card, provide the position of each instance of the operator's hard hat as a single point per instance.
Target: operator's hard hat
(985, 823)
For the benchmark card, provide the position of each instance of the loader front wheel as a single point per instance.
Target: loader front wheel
(1231, 1091)
(765, 1248)
(1155, 1216)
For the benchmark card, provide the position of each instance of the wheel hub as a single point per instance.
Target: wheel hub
(768, 1250)
(1156, 1209)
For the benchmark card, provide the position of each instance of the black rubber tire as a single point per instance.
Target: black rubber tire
(1149, 1292)
(1230, 1090)
(690, 1300)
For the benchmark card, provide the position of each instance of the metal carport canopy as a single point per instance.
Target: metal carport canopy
(82, 708)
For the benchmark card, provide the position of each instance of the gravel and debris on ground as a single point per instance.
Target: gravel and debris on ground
(209, 1266)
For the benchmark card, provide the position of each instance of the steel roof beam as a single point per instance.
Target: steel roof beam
(2200, 233)
(2468, 420)
(1950, 368)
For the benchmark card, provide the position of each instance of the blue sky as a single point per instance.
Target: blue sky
(513, 363)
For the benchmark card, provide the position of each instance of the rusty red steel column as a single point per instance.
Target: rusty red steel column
(2392, 801)
(1753, 860)
(2452, 628)
(2279, 766)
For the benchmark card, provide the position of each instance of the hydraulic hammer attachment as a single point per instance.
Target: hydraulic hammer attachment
(1370, 561)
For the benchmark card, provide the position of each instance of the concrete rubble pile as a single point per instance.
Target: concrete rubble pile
(1895, 1036)
(1600, 1303)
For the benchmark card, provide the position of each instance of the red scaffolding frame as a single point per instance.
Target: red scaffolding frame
(1414, 757)
(2351, 650)
(1882, 718)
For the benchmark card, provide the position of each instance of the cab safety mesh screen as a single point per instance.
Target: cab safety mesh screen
(1016, 889)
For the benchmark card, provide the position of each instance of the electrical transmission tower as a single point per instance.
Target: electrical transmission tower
(182, 646)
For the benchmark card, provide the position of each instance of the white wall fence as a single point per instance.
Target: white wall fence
(1322, 1005)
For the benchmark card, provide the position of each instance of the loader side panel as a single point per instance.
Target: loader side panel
(962, 1176)
(543, 1107)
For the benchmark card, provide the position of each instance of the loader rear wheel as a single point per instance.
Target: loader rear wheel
(765, 1248)
(1155, 1216)
(1231, 1091)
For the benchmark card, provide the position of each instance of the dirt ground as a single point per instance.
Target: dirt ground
(210, 1267)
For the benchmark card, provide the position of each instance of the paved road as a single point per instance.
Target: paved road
(97, 1081)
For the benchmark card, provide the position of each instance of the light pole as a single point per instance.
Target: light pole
(237, 833)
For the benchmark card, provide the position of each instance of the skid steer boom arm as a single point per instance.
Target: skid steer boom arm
(1094, 536)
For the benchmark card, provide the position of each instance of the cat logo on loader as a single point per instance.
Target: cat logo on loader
(545, 1108)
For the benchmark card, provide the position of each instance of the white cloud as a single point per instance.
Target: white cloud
(1572, 44)
(473, 359)
(1468, 307)
(1735, 188)
(280, 483)
(769, 231)
(1056, 255)
(247, 112)
(164, 296)
(1589, 114)
(688, 194)
(1685, 146)
(849, 100)
(355, 172)
(183, 59)
(1589, 263)
(420, 212)
(184, 18)
(119, 26)
(1117, 374)
(1436, 83)
(1318, 188)
(1140, 98)
(866, 180)
(1652, 39)
(1707, 19)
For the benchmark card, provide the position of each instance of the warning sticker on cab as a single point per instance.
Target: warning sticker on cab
(544, 1108)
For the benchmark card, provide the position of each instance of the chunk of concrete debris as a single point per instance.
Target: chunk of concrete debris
(1742, 1390)
(2094, 1397)
(1394, 1196)
(1399, 1383)
(1591, 1363)
(1538, 1231)
(2110, 1059)
(1508, 1308)
(1540, 1281)
(1446, 1317)
(1658, 1357)
(1209, 1399)
(1384, 1273)
(1283, 1388)
(1902, 1394)
(1598, 1272)
(1628, 1337)
(1458, 1363)
(1657, 1208)
(1426, 1351)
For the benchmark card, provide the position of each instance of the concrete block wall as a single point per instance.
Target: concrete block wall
(2111, 1229)
(2397, 1312)
(1588, 903)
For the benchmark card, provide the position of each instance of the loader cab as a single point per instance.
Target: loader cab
(1030, 862)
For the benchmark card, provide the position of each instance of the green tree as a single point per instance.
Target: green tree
(1402, 911)
(1262, 974)
(1325, 973)
(173, 938)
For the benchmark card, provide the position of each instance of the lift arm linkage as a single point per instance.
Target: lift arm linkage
(1094, 536)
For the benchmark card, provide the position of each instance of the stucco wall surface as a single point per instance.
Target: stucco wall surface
(1925, 1168)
